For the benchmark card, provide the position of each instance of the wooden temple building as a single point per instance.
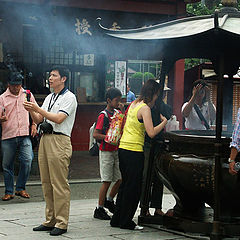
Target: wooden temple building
(37, 34)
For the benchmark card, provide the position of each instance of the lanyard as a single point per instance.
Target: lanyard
(54, 98)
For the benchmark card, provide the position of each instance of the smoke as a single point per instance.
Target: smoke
(45, 34)
(41, 25)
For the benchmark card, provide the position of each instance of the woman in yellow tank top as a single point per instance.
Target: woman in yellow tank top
(131, 156)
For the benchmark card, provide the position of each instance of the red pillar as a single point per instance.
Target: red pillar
(176, 82)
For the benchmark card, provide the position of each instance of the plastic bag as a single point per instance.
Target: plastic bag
(115, 130)
(172, 124)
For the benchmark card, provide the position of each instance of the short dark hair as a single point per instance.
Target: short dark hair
(63, 71)
(149, 89)
(203, 83)
(199, 81)
(113, 93)
(15, 78)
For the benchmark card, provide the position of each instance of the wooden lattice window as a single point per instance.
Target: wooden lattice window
(236, 98)
(236, 101)
(213, 92)
(56, 54)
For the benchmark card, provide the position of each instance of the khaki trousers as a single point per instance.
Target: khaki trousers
(54, 156)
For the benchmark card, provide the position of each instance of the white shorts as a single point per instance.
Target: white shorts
(109, 166)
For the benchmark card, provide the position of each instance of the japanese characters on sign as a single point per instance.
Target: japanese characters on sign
(115, 26)
(88, 60)
(120, 76)
(82, 27)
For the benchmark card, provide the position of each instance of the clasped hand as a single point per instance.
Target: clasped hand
(200, 90)
(163, 118)
(3, 118)
(231, 168)
(30, 106)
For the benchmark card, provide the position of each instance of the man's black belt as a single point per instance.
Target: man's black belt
(58, 133)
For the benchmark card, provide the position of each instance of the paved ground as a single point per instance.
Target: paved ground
(80, 189)
(18, 217)
(82, 166)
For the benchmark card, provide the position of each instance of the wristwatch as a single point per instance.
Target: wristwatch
(230, 160)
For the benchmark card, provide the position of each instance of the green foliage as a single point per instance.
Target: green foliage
(148, 75)
(110, 76)
(200, 9)
(137, 75)
(192, 62)
(145, 76)
(207, 9)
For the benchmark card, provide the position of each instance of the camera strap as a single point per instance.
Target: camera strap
(54, 98)
(200, 115)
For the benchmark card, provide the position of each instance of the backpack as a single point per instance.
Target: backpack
(93, 143)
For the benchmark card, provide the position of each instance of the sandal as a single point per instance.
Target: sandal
(158, 213)
(148, 214)
(7, 197)
(22, 194)
(170, 213)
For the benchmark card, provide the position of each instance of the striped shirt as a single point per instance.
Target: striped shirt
(236, 134)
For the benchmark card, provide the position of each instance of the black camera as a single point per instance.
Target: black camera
(46, 127)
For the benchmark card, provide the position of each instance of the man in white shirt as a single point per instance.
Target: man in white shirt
(200, 99)
(57, 115)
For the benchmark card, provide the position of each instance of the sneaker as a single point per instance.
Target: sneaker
(110, 205)
(137, 227)
(101, 214)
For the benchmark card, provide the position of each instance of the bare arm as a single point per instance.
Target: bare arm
(188, 108)
(33, 130)
(145, 112)
(38, 113)
(98, 135)
(36, 117)
(233, 156)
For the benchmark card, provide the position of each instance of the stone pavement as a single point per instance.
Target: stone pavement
(82, 166)
(18, 218)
